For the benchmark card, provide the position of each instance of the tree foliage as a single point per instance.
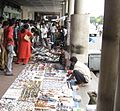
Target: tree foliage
(96, 20)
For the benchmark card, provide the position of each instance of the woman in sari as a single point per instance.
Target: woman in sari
(24, 48)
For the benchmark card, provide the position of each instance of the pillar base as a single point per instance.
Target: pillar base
(80, 36)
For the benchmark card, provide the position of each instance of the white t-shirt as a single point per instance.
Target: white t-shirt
(44, 32)
(82, 68)
(53, 28)
(65, 32)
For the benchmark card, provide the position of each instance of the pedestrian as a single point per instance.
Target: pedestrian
(1, 47)
(10, 48)
(4, 54)
(44, 32)
(24, 47)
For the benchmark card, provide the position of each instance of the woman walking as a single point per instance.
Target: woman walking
(24, 48)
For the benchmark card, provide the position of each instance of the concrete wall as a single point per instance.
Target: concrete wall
(28, 12)
(10, 12)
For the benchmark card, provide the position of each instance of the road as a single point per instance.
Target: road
(95, 43)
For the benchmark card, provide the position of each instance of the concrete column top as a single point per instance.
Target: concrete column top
(71, 7)
(79, 7)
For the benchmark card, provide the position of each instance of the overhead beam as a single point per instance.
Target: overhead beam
(39, 2)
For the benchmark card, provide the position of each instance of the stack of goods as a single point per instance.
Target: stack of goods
(30, 90)
(44, 56)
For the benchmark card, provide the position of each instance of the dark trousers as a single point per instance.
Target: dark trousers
(79, 76)
(45, 41)
(3, 58)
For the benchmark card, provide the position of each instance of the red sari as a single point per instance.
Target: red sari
(24, 50)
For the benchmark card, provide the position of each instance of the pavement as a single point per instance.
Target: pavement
(6, 81)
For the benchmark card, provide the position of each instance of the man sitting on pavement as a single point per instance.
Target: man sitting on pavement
(63, 58)
(79, 70)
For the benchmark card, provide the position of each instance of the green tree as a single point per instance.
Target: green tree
(96, 20)
(99, 20)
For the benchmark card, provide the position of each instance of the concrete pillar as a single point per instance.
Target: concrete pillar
(110, 54)
(2, 6)
(79, 32)
(79, 7)
(63, 8)
(117, 96)
(66, 6)
(63, 12)
(70, 12)
(31, 15)
(70, 7)
(25, 12)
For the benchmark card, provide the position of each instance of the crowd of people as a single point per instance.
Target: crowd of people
(20, 37)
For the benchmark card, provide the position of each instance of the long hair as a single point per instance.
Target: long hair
(26, 26)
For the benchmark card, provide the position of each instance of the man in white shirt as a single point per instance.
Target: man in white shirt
(44, 32)
(80, 71)
(53, 29)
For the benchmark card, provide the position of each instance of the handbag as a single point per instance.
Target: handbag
(27, 38)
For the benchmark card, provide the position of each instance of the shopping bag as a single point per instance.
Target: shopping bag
(27, 38)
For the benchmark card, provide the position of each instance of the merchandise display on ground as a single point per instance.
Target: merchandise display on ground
(39, 87)
(42, 54)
